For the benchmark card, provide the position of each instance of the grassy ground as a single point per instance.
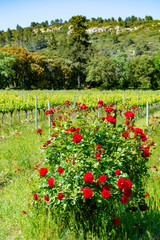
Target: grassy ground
(23, 150)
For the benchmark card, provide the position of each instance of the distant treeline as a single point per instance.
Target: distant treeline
(79, 60)
(25, 70)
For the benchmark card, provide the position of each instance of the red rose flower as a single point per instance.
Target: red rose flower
(35, 196)
(103, 151)
(125, 134)
(121, 183)
(53, 123)
(24, 212)
(116, 221)
(105, 187)
(60, 170)
(46, 198)
(48, 141)
(138, 131)
(130, 127)
(128, 184)
(109, 109)
(87, 192)
(47, 112)
(102, 178)
(124, 199)
(88, 177)
(77, 138)
(72, 129)
(83, 106)
(78, 129)
(60, 196)
(98, 146)
(97, 154)
(143, 207)
(129, 114)
(127, 122)
(68, 102)
(50, 182)
(43, 172)
(110, 105)
(100, 102)
(105, 194)
(117, 172)
(111, 119)
(146, 153)
(143, 137)
(44, 146)
(128, 192)
(39, 130)
(103, 118)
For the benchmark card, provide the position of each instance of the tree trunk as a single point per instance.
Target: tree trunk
(79, 81)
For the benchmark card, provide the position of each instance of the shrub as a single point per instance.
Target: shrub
(95, 169)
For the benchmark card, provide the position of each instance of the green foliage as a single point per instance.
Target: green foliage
(143, 71)
(122, 70)
(78, 44)
(7, 71)
(28, 66)
(101, 71)
(133, 36)
(52, 43)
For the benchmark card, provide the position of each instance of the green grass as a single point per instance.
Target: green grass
(24, 151)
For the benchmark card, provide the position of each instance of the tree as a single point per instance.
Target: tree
(7, 71)
(52, 43)
(57, 20)
(29, 67)
(78, 45)
(156, 61)
(133, 19)
(19, 29)
(60, 75)
(52, 22)
(99, 20)
(9, 34)
(122, 70)
(2, 39)
(143, 72)
(101, 70)
(119, 19)
(148, 18)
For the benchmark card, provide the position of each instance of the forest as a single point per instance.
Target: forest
(82, 53)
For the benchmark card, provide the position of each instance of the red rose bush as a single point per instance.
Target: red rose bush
(93, 173)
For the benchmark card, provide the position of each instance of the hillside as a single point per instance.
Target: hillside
(134, 38)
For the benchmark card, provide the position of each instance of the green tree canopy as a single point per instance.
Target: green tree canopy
(78, 44)
(7, 72)
(101, 71)
(143, 71)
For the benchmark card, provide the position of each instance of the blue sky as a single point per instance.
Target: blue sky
(24, 12)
